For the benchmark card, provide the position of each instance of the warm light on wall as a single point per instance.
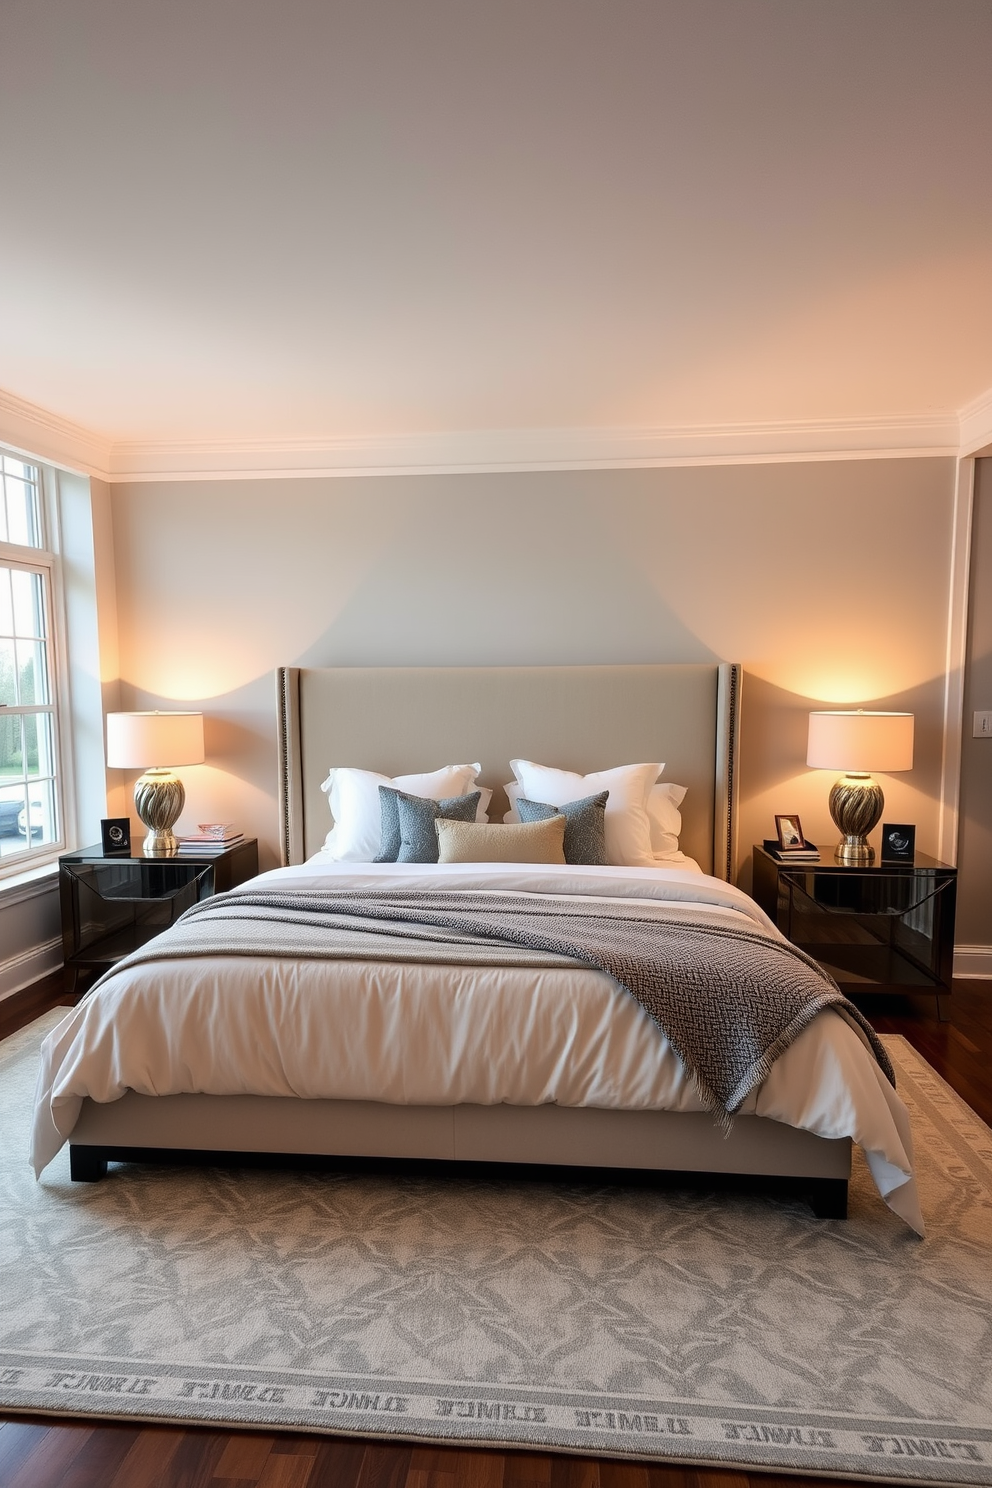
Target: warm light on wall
(838, 685)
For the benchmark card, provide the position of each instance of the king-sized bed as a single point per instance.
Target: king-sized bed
(456, 1013)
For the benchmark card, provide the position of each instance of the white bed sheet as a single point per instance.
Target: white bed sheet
(441, 1035)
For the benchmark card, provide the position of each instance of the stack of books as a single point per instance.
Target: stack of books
(808, 853)
(211, 837)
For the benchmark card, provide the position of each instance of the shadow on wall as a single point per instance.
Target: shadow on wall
(545, 584)
(549, 585)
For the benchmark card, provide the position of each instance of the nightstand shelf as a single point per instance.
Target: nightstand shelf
(112, 904)
(884, 928)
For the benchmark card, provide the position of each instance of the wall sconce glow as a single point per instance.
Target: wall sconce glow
(857, 743)
(142, 741)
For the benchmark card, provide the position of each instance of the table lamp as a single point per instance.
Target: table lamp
(140, 741)
(857, 743)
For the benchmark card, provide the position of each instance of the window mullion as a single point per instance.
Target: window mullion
(34, 767)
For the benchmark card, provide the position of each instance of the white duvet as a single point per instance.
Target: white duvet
(441, 1035)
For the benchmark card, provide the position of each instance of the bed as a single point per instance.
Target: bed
(367, 1076)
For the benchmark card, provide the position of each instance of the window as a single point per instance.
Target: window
(31, 801)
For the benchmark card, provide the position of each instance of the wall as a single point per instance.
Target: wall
(105, 577)
(828, 580)
(974, 921)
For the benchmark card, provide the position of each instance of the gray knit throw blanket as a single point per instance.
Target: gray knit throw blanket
(729, 998)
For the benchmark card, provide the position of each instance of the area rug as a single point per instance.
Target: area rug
(618, 1321)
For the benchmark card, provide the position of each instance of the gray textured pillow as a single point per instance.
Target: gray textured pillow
(418, 835)
(389, 846)
(585, 826)
(488, 842)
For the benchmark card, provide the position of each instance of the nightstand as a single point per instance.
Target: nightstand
(111, 904)
(884, 928)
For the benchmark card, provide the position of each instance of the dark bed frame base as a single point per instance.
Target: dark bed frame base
(827, 1197)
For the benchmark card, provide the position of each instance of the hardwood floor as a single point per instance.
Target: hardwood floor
(959, 1049)
(78, 1456)
(56, 1453)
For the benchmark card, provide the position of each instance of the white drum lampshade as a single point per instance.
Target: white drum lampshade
(156, 743)
(858, 743)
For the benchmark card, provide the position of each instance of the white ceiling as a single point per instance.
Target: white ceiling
(279, 220)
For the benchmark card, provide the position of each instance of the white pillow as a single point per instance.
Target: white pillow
(628, 830)
(512, 792)
(353, 796)
(665, 818)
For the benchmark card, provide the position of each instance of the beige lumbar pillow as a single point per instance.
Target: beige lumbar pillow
(488, 842)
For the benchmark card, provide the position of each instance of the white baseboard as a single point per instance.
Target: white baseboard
(20, 971)
(973, 961)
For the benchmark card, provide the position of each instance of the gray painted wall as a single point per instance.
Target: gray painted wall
(974, 921)
(828, 580)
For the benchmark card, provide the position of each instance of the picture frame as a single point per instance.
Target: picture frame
(115, 834)
(790, 832)
(898, 842)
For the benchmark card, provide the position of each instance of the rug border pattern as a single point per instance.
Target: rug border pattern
(560, 1420)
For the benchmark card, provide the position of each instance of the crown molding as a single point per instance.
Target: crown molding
(515, 450)
(46, 436)
(38, 434)
(976, 424)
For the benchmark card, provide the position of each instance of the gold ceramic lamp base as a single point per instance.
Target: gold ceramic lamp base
(856, 804)
(159, 798)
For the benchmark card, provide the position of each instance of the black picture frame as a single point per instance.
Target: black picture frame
(898, 842)
(115, 832)
(790, 831)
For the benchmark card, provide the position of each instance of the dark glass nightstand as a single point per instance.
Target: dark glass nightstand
(113, 903)
(884, 928)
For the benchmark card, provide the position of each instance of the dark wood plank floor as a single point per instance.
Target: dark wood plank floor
(55, 1453)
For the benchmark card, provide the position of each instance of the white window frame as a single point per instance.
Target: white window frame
(46, 560)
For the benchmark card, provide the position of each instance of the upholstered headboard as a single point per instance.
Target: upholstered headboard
(403, 719)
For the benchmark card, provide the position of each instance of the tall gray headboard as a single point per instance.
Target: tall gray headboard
(398, 720)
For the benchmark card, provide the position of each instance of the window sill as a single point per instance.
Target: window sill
(29, 883)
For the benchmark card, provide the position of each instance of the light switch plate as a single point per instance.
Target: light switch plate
(983, 726)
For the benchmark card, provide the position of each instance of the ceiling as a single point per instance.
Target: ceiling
(325, 220)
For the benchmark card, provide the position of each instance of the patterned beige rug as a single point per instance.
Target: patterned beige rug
(682, 1327)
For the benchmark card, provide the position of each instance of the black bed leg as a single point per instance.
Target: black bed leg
(86, 1164)
(828, 1198)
